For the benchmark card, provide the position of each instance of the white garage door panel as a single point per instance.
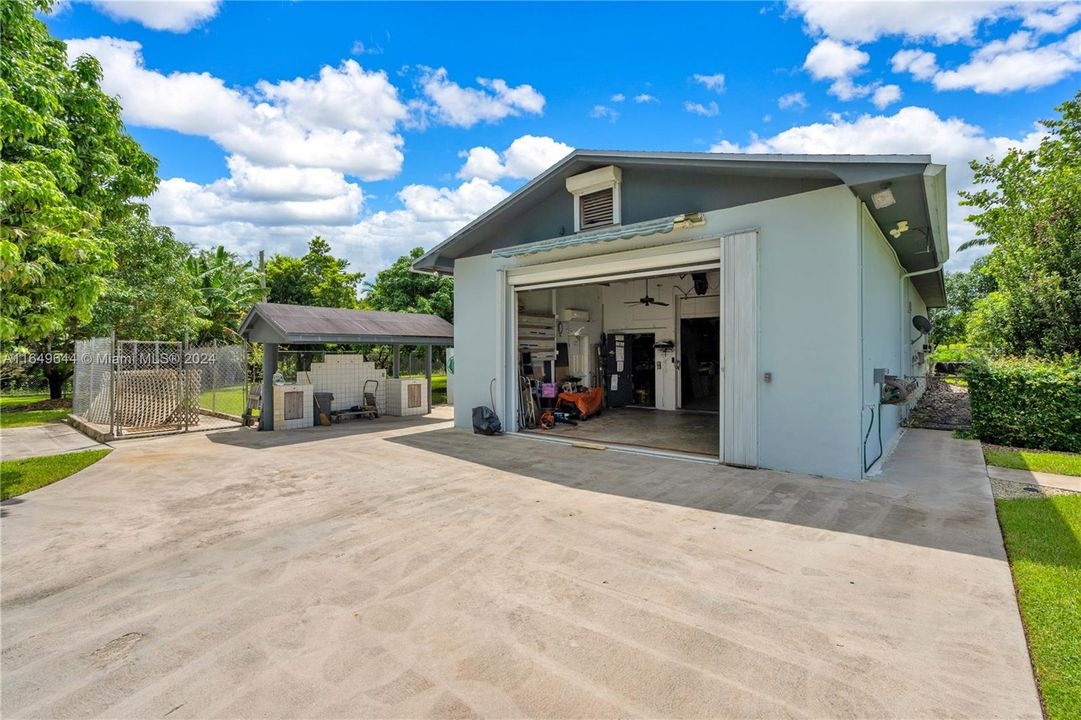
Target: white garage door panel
(683, 256)
(739, 399)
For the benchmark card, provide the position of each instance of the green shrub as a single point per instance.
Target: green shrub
(1027, 403)
(955, 352)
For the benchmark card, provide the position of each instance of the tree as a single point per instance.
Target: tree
(149, 295)
(1030, 212)
(69, 170)
(225, 289)
(399, 289)
(963, 289)
(317, 278)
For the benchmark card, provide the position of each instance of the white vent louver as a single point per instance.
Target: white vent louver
(597, 208)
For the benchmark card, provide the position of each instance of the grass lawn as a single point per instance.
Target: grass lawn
(439, 388)
(23, 410)
(228, 400)
(1043, 540)
(22, 476)
(1038, 461)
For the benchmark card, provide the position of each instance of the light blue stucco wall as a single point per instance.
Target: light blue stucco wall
(809, 299)
(887, 333)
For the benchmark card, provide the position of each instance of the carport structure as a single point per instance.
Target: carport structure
(274, 324)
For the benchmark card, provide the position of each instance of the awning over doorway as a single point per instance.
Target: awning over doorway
(607, 234)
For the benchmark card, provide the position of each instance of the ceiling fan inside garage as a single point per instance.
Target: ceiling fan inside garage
(647, 300)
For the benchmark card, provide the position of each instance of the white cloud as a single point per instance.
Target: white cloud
(832, 60)
(173, 15)
(791, 100)
(261, 196)
(645, 98)
(941, 22)
(1014, 64)
(603, 111)
(910, 130)
(359, 48)
(710, 110)
(427, 216)
(345, 120)
(713, 82)
(525, 158)
(465, 107)
(885, 95)
(921, 64)
(618, 98)
(1053, 20)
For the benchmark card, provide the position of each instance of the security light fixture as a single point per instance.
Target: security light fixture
(902, 226)
(883, 198)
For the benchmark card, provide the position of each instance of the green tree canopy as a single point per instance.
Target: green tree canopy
(225, 288)
(399, 289)
(69, 169)
(1030, 212)
(964, 289)
(148, 294)
(317, 278)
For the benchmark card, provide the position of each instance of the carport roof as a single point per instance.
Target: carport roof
(303, 324)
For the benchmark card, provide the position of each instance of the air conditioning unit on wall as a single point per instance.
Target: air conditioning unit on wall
(572, 315)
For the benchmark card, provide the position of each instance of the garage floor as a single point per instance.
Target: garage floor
(676, 430)
(401, 568)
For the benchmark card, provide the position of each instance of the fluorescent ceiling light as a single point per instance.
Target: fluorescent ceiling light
(883, 198)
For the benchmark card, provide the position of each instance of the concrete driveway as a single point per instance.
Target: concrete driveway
(48, 439)
(406, 569)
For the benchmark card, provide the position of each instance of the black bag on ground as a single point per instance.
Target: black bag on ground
(485, 421)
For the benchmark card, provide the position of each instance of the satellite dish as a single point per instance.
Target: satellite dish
(921, 323)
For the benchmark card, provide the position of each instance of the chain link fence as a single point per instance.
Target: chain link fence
(137, 386)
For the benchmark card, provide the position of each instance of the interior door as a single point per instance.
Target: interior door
(617, 359)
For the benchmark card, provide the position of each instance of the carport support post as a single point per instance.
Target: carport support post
(428, 372)
(270, 366)
(397, 361)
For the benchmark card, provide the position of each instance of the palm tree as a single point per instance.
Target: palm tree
(225, 288)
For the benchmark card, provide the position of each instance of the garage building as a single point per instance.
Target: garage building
(755, 310)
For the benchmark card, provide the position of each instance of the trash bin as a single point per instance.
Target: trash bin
(324, 400)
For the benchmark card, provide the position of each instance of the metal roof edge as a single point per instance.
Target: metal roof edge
(427, 263)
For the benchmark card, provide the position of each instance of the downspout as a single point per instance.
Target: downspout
(906, 344)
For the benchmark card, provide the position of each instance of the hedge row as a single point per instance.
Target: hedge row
(1027, 403)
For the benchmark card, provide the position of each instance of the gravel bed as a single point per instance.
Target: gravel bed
(1008, 490)
(943, 406)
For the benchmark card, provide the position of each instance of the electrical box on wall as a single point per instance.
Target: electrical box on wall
(573, 315)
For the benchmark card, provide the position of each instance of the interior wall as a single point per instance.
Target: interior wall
(621, 317)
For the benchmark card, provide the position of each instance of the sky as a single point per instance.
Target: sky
(384, 127)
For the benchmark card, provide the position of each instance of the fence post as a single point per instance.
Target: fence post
(185, 390)
(214, 379)
(112, 382)
(428, 373)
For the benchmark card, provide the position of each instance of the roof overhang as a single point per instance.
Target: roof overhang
(304, 325)
(918, 184)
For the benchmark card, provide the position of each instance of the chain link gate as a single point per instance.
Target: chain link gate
(133, 387)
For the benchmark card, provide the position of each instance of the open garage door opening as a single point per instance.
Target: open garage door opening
(633, 361)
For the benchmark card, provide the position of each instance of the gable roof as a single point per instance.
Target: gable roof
(918, 185)
(303, 324)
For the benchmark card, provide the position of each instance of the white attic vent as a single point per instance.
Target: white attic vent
(596, 197)
(596, 208)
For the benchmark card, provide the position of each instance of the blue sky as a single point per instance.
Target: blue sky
(386, 126)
